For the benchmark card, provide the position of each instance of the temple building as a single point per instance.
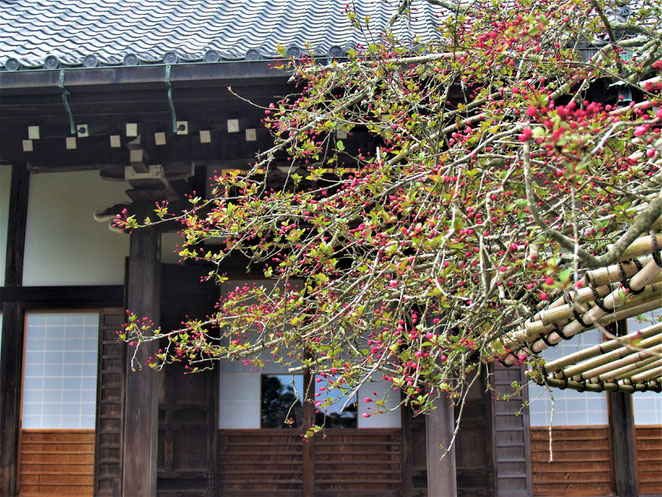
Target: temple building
(113, 105)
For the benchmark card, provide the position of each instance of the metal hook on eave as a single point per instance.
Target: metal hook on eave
(65, 99)
(175, 128)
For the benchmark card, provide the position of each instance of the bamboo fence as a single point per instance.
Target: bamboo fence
(603, 296)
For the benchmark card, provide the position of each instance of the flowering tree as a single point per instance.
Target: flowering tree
(518, 148)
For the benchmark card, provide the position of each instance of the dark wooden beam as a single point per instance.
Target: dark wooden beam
(439, 426)
(64, 296)
(11, 358)
(137, 75)
(140, 438)
(18, 213)
(621, 421)
(11, 366)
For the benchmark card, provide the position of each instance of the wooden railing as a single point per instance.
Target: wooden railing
(56, 463)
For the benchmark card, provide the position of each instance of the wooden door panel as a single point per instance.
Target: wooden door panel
(187, 402)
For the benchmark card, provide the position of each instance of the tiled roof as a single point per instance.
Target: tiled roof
(45, 34)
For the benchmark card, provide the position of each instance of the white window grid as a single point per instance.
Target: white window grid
(571, 408)
(60, 374)
(647, 405)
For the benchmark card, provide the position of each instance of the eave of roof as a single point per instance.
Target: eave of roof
(154, 73)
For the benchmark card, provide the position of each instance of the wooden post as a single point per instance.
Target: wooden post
(440, 423)
(140, 432)
(11, 362)
(18, 215)
(621, 420)
(10, 401)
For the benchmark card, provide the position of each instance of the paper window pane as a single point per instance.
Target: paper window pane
(58, 366)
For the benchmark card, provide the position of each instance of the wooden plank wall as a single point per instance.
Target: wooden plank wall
(268, 462)
(581, 465)
(364, 462)
(649, 459)
(346, 462)
(56, 463)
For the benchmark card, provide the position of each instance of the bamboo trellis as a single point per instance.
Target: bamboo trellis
(603, 296)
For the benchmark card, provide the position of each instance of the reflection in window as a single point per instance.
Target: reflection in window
(330, 416)
(281, 401)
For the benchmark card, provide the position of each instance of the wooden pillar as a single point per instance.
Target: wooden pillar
(11, 362)
(439, 425)
(140, 438)
(621, 420)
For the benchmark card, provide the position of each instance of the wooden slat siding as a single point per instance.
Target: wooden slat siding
(110, 381)
(363, 461)
(56, 462)
(511, 436)
(260, 462)
(581, 461)
(649, 459)
(347, 462)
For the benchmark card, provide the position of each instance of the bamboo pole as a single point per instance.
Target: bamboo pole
(614, 355)
(612, 274)
(625, 371)
(641, 246)
(592, 387)
(642, 368)
(628, 312)
(565, 312)
(538, 345)
(580, 355)
(649, 300)
(617, 297)
(611, 366)
(611, 301)
(651, 374)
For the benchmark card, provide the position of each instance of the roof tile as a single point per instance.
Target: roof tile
(112, 29)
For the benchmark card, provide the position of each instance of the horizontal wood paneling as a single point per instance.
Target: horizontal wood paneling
(56, 462)
(260, 462)
(581, 461)
(362, 461)
(649, 459)
(346, 462)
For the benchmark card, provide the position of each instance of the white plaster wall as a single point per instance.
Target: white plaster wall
(64, 245)
(5, 187)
